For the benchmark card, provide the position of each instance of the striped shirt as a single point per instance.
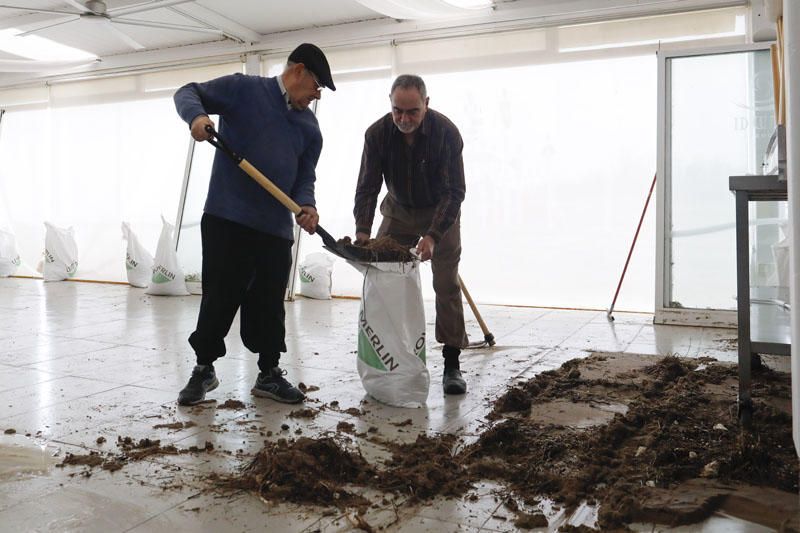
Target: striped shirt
(429, 173)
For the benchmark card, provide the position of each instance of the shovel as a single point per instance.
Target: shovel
(349, 252)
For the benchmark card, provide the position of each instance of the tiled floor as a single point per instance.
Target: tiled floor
(80, 361)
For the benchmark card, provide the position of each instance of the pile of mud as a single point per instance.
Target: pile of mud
(630, 433)
(679, 424)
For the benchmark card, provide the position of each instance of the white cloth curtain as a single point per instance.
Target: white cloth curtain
(559, 126)
(560, 151)
(90, 155)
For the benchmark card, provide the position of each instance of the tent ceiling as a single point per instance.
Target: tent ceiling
(240, 26)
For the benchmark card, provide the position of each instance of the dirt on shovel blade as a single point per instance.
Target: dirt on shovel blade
(380, 250)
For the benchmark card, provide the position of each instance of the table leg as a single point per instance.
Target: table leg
(743, 303)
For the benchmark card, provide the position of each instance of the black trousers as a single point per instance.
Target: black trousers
(242, 269)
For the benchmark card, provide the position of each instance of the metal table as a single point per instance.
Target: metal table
(767, 330)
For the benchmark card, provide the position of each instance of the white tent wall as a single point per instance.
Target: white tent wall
(559, 152)
(559, 130)
(92, 154)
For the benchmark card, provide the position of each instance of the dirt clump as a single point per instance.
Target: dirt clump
(307, 388)
(136, 450)
(380, 250)
(304, 413)
(530, 521)
(426, 468)
(232, 404)
(345, 427)
(314, 471)
(175, 425)
(90, 459)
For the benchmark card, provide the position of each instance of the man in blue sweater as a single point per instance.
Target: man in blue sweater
(247, 234)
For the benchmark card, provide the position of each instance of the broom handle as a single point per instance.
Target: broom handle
(633, 244)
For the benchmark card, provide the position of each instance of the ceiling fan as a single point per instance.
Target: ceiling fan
(96, 12)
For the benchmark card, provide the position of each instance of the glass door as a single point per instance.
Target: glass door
(716, 116)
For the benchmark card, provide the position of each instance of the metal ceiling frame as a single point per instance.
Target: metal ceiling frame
(210, 20)
(505, 17)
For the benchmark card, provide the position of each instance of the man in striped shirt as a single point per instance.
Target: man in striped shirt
(417, 152)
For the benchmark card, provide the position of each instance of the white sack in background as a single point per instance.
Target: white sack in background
(315, 276)
(9, 257)
(138, 261)
(391, 334)
(60, 253)
(780, 253)
(167, 276)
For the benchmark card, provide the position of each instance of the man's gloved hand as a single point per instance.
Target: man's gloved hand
(361, 238)
(308, 218)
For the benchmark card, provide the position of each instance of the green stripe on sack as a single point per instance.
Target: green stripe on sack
(158, 277)
(367, 353)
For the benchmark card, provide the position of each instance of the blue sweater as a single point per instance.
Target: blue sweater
(284, 144)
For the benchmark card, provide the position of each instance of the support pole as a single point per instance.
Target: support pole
(791, 63)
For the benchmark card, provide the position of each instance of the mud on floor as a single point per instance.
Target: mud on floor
(645, 438)
(648, 439)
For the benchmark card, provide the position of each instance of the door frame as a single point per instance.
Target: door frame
(670, 315)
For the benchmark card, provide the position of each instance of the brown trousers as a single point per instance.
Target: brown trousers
(406, 225)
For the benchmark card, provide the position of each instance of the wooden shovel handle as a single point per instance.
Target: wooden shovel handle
(273, 189)
(474, 307)
(253, 172)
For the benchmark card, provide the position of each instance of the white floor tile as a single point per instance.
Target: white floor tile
(82, 361)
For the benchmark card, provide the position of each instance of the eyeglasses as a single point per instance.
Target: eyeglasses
(314, 78)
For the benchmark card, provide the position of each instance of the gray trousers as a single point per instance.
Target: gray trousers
(406, 225)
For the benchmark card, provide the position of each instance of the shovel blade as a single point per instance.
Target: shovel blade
(330, 244)
(359, 254)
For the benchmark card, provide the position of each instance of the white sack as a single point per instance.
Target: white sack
(315, 276)
(391, 334)
(167, 277)
(60, 253)
(9, 257)
(780, 253)
(138, 261)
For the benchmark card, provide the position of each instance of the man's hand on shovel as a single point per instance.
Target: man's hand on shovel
(361, 238)
(198, 128)
(307, 218)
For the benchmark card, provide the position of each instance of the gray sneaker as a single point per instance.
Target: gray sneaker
(273, 385)
(203, 380)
